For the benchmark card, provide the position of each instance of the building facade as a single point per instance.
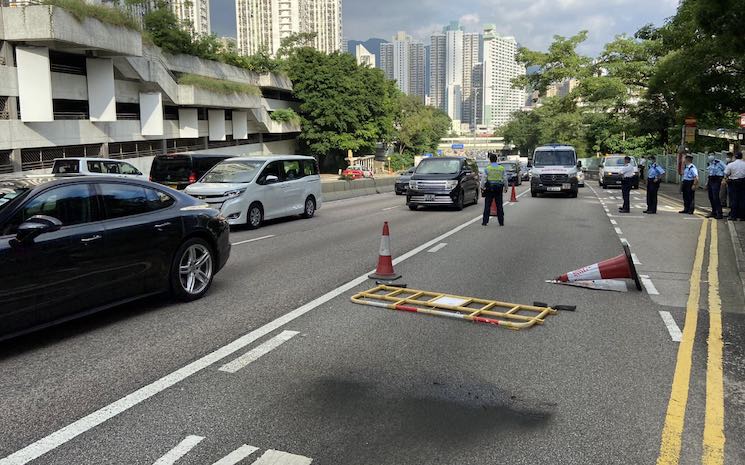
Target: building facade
(437, 71)
(364, 57)
(500, 99)
(402, 60)
(262, 24)
(454, 73)
(91, 89)
(193, 14)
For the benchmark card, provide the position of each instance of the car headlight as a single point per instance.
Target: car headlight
(450, 185)
(412, 184)
(234, 193)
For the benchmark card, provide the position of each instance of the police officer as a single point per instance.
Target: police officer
(735, 174)
(689, 185)
(716, 175)
(654, 177)
(492, 187)
(627, 180)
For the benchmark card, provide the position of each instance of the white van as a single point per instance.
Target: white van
(555, 169)
(96, 167)
(249, 190)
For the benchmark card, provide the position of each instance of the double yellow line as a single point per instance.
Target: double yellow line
(713, 440)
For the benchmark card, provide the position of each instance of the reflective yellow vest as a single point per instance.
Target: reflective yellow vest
(495, 174)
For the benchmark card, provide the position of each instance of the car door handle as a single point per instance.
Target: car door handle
(90, 239)
(162, 225)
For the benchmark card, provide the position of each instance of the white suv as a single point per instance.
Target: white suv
(249, 190)
(96, 167)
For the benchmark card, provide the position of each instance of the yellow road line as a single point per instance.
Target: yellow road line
(714, 420)
(675, 418)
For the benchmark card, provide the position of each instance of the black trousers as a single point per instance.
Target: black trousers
(490, 195)
(689, 196)
(713, 188)
(737, 186)
(652, 188)
(626, 184)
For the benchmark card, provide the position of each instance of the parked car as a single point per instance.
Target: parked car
(512, 172)
(609, 171)
(178, 170)
(249, 190)
(95, 167)
(444, 181)
(71, 246)
(357, 172)
(402, 181)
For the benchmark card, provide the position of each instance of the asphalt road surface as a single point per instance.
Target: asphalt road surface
(277, 366)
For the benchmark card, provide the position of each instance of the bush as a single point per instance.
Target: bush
(285, 115)
(82, 10)
(219, 86)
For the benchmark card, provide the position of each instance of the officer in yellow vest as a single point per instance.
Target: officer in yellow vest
(492, 186)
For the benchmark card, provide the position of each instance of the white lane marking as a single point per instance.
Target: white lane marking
(237, 455)
(648, 285)
(618, 231)
(693, 218)
(627, 217)
(613, 222)
(438, 247)
(635, 259)
(179, 451)
(90, 421)
(252, 240)
(258, 351)
(391, 208)
(623, 241)
(672, 327)
(276, 457)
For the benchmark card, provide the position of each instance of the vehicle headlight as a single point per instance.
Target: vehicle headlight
(412, 184)
(450, 185)
(234, 193)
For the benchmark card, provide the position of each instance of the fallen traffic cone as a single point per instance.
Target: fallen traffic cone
(384, 269)
(513, 197)
(493, 210)
(621, 267)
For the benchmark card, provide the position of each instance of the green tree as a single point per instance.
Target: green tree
(420, 127)
(162, 25)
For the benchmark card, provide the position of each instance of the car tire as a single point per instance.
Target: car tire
(573, 195)
(412, 206)
(254, 216)
(310, 207)
(476, 197)
(189, 279)
(459, 201)
(533, 194)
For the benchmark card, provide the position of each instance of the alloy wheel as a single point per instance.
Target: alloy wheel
(195, 269)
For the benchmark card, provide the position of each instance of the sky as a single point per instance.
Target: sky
(532, 22)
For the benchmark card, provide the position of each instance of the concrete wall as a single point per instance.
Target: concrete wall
(338, 190)
(101, 89)
(34, 83)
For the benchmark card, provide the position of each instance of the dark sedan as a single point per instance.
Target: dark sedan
(73, 246)
(402, 181)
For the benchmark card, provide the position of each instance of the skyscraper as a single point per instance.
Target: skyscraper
(500, 99)
(194, 14)
(437, 66)
(471, 59)
(403, 61)
(262, 24)
(454, 72)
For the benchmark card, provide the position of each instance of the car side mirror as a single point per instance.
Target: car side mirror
(271, 179)
(36, 226)
(579, 164)
(600, 165)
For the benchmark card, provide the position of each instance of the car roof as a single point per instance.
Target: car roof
(89, 159)
(445, 158)
(554, 147)
(272, 158)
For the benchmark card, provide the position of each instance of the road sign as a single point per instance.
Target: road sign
(427, 155)
(457, 146)
(742, 120)
(691, 122)
(690, 134)
(439, 152)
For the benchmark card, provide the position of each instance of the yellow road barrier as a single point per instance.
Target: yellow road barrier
(515, 316)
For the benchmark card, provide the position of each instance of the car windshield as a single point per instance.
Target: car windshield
(431, 166)
(10, 191)
(231, 171)
(554, 158)
(617, 161)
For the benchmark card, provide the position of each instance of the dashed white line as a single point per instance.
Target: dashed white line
(618, 231)
(648, 285)
(672, 327)
(635, 259)
(253, 240)
(613, 222)
(391, 208)
(237, 455)
(438, 247)
(179, 451)
(276, 457)
(258, 351)
(625, 241)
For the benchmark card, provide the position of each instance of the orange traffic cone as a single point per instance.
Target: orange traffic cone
(493, 210)
(384, 269)
(621, 267)
(513, 197)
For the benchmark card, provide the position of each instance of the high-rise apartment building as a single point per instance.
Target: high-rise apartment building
(364, 57)
(471, 59)
(454, 72)
(500, 99)
(437, 73)
(193, 14)
(262, 24)
(402, 60)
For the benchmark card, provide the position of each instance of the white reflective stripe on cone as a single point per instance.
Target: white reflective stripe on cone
(385, 246)
(587, 273)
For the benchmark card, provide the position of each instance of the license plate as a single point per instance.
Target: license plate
(429, 197)
(566, 186)
(554, 189)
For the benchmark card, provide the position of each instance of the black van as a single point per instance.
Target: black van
(444, 181)
(178, 170)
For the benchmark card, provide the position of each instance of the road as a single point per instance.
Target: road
(324, 380)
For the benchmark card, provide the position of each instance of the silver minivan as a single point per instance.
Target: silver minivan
(249, 190)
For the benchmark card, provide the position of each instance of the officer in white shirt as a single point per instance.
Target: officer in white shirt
(735, 178)
(627, 180)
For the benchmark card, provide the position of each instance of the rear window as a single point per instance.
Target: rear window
(66, 166)
(171, 168)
